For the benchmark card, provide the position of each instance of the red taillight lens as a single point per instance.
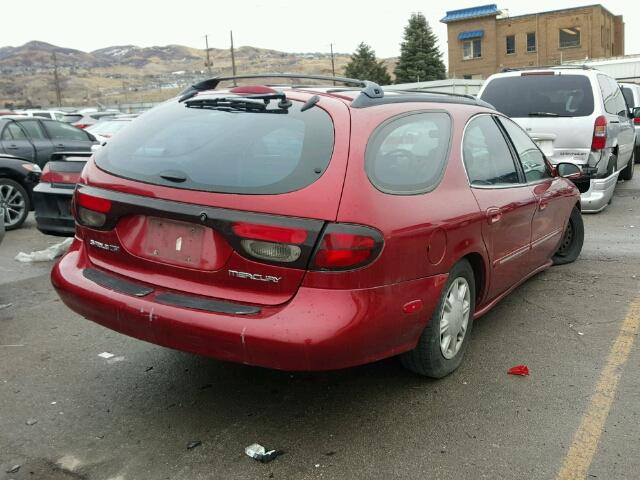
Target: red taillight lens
(270, 242)
(81, 125)
(599, 140)
(636, 121)
(345, 247)
(96, 204)
(90, 211)
(270, 233)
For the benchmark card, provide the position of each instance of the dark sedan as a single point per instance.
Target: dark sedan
(37, 139)
(17, 179)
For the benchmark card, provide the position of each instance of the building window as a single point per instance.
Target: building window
(472, 49)
(511, 44)
(570, 37)
(531, 42)
(467, 77)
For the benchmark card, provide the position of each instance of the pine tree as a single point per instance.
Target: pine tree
(364, 66)
(420, 58)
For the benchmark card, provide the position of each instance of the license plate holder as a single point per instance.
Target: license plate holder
(174, 242)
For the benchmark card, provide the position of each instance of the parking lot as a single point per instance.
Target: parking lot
(68, 413)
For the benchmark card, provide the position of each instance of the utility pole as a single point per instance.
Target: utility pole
(233, 60)
(56, 80)
(333, 63)
(208, 63)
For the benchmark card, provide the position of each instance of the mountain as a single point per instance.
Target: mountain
(127, 73)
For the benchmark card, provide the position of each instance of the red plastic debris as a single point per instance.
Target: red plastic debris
(519, 370)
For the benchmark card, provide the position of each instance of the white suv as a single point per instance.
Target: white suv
(576, 115)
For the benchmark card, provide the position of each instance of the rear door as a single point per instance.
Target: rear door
(553, 204)
(39, 139)
(619, 124)
(67, 138)
(15, 141)
(504, 197)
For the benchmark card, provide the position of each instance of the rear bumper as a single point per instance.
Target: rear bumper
(600, 192)
(319, 329)
(52, 205)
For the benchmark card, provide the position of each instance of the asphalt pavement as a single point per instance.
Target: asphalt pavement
(68, 413)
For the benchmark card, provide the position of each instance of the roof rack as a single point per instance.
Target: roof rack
(436, 92)
(549, 67)
(369, 89)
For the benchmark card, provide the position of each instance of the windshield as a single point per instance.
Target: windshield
(223, 151)
(108, 127)
(541, 95)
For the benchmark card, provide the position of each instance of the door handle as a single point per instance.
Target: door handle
(12, 147)
(60, 145)
(494, 215)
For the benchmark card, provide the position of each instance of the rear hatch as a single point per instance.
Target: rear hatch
(226, 202)
(555, 108)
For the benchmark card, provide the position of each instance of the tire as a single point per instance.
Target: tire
(627, 173)
(572, 240)
(429, 358)
(637, 155)
(16, 203)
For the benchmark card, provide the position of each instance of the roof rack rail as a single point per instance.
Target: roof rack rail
(549, 67)
(369, 89)
(436, 92)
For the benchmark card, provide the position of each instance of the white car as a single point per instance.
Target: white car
(106, 128)
(51, 114)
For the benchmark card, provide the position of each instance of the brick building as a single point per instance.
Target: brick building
(484, 40)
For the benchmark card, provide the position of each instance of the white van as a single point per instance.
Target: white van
(576, 115)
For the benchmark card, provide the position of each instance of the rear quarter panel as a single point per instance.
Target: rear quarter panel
(448, 216)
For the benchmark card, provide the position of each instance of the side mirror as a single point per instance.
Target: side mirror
(569, 170)
(91, 136)
(635, 112)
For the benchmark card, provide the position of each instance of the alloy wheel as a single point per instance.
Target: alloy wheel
(14, 204)
(455, 317)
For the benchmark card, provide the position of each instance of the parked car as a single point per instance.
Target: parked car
(17, 179)
(107, 127)
(631, 92)
(50, 114)
(314, 230)
(52, 196)
(85, 119)
(37, 139)
(575, 115)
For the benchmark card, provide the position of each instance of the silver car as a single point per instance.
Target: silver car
(575, 115)
(631, 92)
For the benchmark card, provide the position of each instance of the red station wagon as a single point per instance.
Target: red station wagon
(308, 228)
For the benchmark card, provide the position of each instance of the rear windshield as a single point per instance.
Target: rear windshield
(223, 151)
(541, 95)
(71, 118)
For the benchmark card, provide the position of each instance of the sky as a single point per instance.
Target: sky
(276, 24)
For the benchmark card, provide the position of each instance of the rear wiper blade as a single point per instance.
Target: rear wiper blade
(543, 114)
(249, 103)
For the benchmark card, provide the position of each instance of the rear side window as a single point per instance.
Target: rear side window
(71, 118)
(628, 96)
(62, 131)
(486, 155)
(408, 154)
(42, 114)
(34, 129)
(613, 100)
(223, 151)
(534, 95)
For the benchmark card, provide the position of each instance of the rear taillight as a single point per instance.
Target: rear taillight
(346, 247)
(636, 121)
(81, 125)
(91, 211)
(270, 242)
(599, 140)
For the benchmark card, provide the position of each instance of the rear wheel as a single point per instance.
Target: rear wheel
(637, 155)
(443, 342)
(15, 200)
(572, 240)
(627, 173)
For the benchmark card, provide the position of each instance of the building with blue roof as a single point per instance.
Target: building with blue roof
(483, 40)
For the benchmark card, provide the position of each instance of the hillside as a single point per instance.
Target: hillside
(127, 73)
